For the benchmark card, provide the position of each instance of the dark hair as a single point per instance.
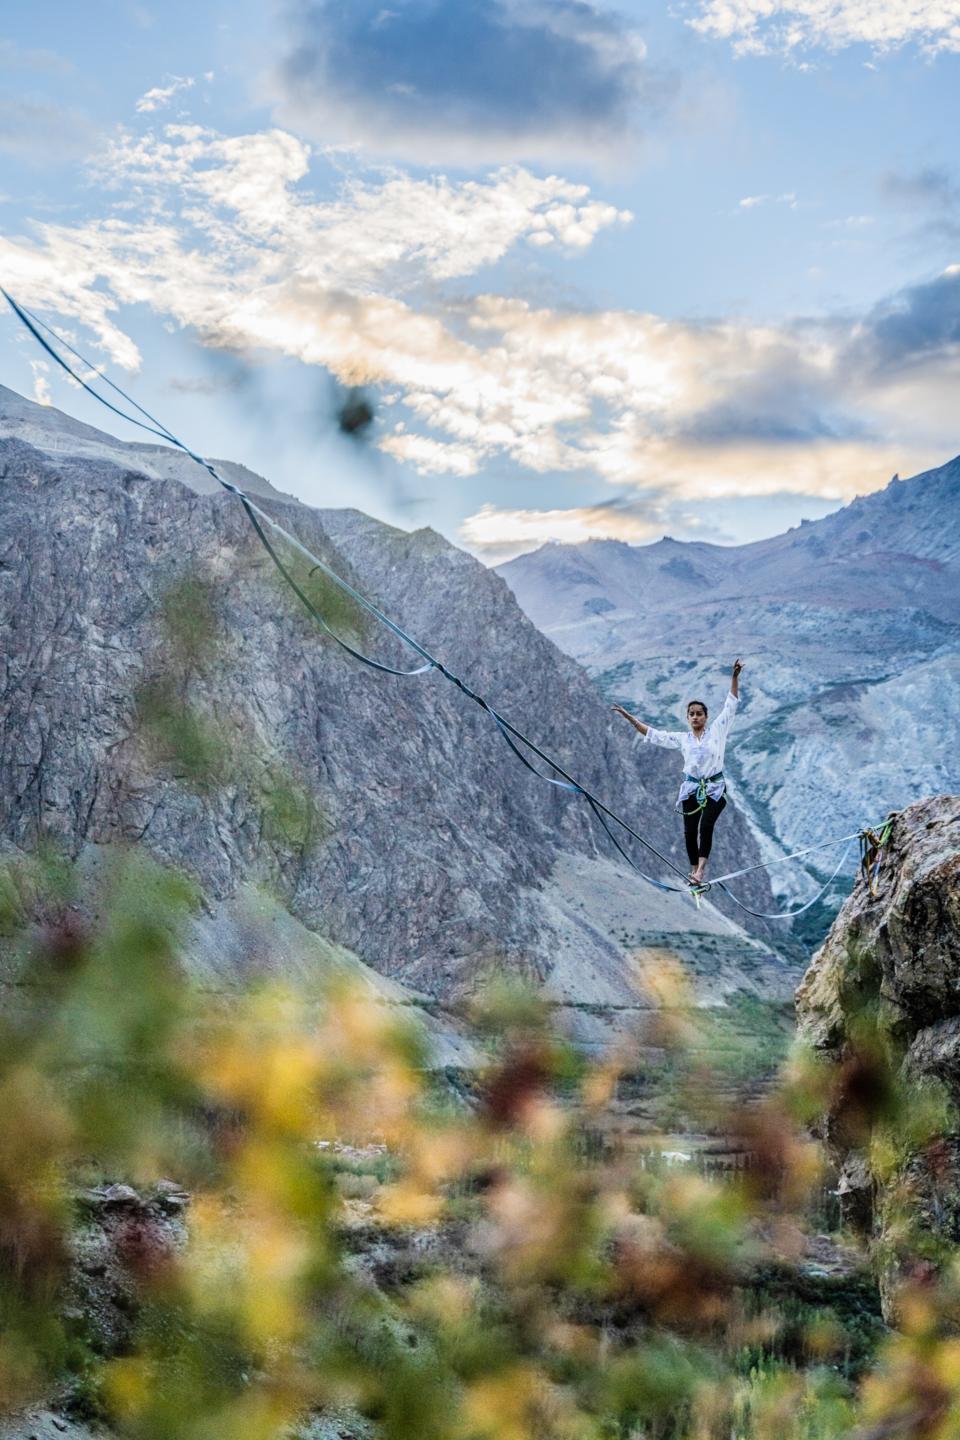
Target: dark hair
(700, 703)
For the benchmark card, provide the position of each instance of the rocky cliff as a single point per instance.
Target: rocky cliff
(850, 627)
(881, 1004)
(159, 685)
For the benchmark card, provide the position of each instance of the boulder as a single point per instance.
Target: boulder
(881, 1002)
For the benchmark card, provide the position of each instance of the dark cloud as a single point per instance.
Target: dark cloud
(794, 401)
(918, 323)
(931, 187)
(467, 81)
(782, 418)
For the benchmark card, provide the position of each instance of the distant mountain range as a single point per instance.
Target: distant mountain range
(850, 631)
(432, 855)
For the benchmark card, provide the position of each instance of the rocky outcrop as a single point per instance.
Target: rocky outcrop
(159, 685)
(881, 1002)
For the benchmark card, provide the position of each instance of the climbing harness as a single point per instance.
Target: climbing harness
(701, 795)
(873, 845)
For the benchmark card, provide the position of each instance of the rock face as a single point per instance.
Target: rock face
(850, 627)
(385, 814)
(881, 1000)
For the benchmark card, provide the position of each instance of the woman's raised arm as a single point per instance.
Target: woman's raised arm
(735, 679)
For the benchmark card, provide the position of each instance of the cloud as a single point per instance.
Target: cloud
(41, 382)
(388, 233)
(161, 95)
(932, 186)
(220, 235)
(931, 197)
(468, 82)
(16, 57)
(762, 27)
(40, 131)
(851, 222)
(220, 239)
(919, 323)
(751, 202)
(498, 534)
(430, 456)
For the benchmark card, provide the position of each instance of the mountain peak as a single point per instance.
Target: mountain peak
(53, 432)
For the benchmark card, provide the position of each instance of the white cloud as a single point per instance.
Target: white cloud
(431, 456)
(161, 95)
(751, 202)
(499, 533)
(222, 237)
(851, 222)
(41, 382)
(759, 27)
(395, 230)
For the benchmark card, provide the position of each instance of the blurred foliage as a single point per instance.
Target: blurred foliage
(345, 1245)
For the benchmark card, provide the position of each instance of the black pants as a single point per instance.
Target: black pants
(698, 826)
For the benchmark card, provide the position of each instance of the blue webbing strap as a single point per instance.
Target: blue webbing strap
(676, 889)
(787, 914)
(782, 859)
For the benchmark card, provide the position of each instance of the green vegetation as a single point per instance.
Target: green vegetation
(333, 604)
(204, 751)
(348, 1243)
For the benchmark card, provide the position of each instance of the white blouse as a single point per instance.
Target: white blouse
(701, 758)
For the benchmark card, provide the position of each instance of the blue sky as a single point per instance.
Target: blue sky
(602, 270)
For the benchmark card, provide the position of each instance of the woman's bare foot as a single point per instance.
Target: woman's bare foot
(699, 873)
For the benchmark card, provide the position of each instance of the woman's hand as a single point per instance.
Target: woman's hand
(637, 724)
(735, 678)
(737, 667)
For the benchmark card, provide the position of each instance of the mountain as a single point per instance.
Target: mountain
(55, 433)
(160, 685)
(850, 630)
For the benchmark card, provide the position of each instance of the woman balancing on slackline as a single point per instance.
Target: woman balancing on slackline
(701, 794)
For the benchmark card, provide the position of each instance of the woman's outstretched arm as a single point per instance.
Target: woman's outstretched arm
(669, 739)
(637, 724)
(735, 679)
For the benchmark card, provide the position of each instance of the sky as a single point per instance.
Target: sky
(599, 270)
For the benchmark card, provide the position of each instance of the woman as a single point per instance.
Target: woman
(701, 795)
